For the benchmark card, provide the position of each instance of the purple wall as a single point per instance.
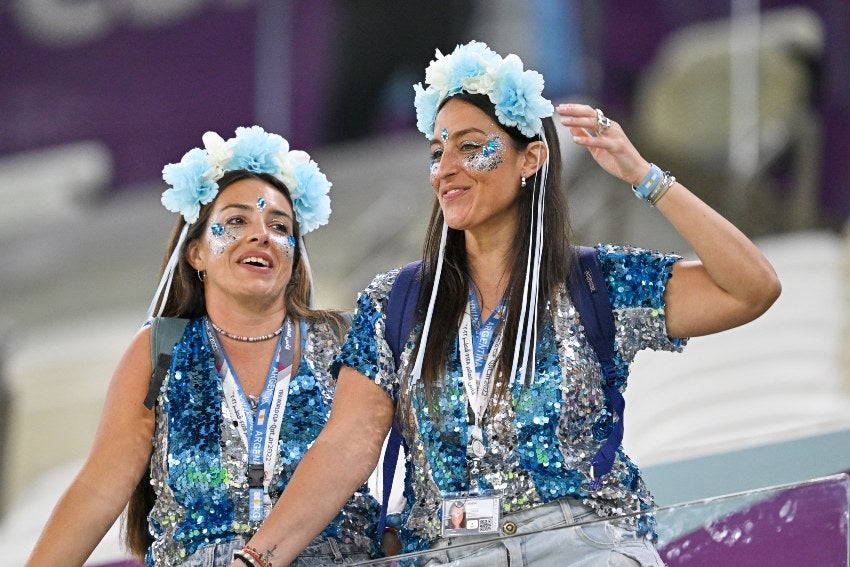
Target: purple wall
(148, 89)
(147, 92)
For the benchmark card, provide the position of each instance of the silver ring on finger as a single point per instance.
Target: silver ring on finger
(602, 122)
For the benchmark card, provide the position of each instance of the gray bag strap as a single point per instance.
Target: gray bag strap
(165, 333)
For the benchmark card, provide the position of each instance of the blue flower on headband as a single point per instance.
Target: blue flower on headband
(426, 103)
(468, 61)
(192, 184)
(517, 97)
(194, 180)
(310, 198)
(476, 69)
(255, 150)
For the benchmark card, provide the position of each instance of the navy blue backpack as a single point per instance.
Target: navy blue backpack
(590, 298)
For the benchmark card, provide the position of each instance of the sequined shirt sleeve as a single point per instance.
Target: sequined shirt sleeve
(636, 280)
(366, 350)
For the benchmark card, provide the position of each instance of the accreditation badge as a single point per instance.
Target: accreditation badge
(470, 513)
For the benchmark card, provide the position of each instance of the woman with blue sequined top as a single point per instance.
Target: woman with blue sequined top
(499, 394)
(203, 450)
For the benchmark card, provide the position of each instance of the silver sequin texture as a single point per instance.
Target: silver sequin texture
(199, 461)
(542, 438)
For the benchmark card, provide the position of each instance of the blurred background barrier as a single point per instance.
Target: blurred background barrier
(794, 524)
(730, 106)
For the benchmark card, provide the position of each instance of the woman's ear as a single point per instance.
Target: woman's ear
(193, 255)
(533, 157)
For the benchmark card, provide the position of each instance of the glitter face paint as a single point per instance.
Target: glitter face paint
(435, 163)
(285, 244)
(432, 169)
(221, 238)
(489, 158)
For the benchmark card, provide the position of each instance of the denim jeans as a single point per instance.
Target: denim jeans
(327, 551)
(540, 538)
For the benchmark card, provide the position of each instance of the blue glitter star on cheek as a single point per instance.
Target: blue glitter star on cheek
(217, 229)
(291, 241)
(445, 134)
(261, 203)
(490, 148)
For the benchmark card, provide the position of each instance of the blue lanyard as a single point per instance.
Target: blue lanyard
(257, 425)
(482, 333)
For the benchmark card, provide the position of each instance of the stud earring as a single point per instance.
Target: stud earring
(522, 182)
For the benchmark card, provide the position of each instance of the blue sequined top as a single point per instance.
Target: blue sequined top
(541, 439)
(199, 461)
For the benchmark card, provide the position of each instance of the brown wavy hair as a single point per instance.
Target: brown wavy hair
(186, 300)
(453, 292)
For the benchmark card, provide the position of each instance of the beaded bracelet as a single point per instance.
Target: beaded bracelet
(258, 559)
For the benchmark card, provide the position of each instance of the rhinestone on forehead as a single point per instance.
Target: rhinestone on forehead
(261, 203)
(445, 134)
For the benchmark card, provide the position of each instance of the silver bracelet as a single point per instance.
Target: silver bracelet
(666, 182)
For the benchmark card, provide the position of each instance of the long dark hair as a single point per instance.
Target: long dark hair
(186, 300)
(453, 292)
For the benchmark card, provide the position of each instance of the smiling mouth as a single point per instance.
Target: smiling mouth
(452, 193)
(254, 261)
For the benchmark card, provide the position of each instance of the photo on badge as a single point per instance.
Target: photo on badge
(466, 515)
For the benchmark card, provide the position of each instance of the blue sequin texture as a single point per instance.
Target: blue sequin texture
(542, 437)
(199, 463)
(217, 229)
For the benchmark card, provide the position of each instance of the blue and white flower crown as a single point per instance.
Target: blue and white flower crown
(194, 180)
(476, 69)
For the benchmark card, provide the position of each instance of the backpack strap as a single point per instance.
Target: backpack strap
(590, 297)
(401, 304)
(165, 333)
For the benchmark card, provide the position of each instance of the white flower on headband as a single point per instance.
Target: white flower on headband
(217, 150)
(476, 69)
(194, 181)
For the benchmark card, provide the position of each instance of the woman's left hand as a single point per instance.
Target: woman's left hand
(731, 284)
(605, 140)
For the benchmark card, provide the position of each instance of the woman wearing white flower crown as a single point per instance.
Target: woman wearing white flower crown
(202, 441)
(500, 396)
